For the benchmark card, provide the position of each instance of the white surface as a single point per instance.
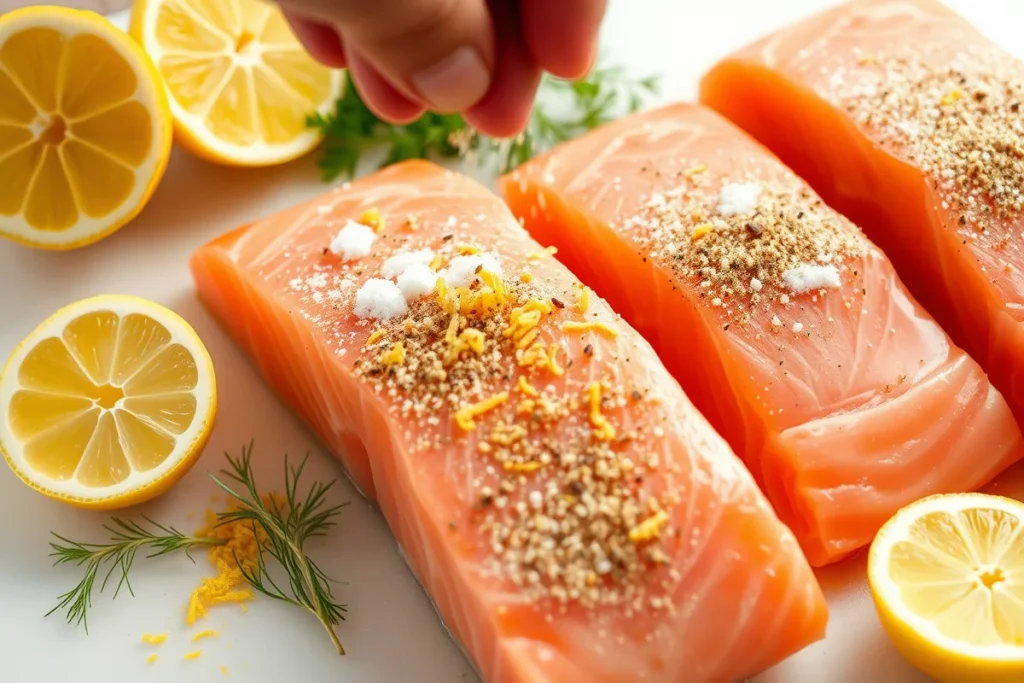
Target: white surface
(392, 635)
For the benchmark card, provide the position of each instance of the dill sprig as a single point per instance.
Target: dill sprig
(287, 525)
(287, 529)
(127, 538)
(564, 110)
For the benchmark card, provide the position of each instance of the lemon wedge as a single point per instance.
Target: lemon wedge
(107, 403)
(947, 577)
(85, 127)
(241, 85)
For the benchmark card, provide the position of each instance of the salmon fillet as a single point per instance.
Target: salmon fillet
(909, 121)
(569, 512)
(787, 328)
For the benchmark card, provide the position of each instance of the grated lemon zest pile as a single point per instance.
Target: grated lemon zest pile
(229, 585)
(154, 638)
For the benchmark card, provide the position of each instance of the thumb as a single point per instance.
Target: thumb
(438, 52)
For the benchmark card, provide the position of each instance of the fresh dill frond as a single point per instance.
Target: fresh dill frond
(126, 539)
(353, 129)
(288, 526)
(287, 523)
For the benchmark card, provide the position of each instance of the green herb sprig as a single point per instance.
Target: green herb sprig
(353, 130)
(127, 538)
(287, 525)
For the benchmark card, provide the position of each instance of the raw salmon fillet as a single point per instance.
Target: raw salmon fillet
(569, 512)
(910, 122)
(787, 328)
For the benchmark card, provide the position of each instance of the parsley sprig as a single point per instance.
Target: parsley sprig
(564, 110)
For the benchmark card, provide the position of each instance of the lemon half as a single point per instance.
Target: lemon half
(947, 577)
(241, 85)
(85, 127)
(107, 403)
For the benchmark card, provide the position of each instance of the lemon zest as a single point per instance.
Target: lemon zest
(154, 638)
(437, 262)
(584, 299)
(152, 658)
(195, 654)
(553, 365)
(376, 336)
(529, 466)
(603, 429)
(412, 221)
(465, 416)
(695, 170)
(701, 230)
(224, 670)
(204, 634)
(650, 528)
(372, 219)
(526, 277)
(594, 326)
(952, 96)
(467, 249)
(537, 256)
(524, 386)
(393, 356)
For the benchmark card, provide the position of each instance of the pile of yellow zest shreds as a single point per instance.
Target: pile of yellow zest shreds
(229, 585)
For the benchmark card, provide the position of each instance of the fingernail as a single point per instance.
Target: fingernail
(455, 83)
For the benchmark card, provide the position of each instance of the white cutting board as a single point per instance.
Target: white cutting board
(393, 634)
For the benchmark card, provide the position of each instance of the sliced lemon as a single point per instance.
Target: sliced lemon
(107, 403)
(85, 127)
(947, 577)
(241, 85)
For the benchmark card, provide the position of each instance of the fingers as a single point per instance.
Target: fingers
(379, 95)
(505, 110)
(437, 53)
(562, 35)
(320, 40)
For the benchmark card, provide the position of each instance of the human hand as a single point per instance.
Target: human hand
(482, 58)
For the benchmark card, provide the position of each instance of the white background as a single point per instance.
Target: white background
(392, 635)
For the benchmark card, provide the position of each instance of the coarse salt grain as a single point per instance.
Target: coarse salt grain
(755, 284)
(462, 270)
(417, 280)
(354, 241)
(797, 328)
(381, 299)
(806, 278)
(738, 198)
(776, 322)
(403, 260)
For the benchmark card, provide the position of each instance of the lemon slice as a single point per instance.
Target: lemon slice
(85, 128)
(947, 577)
(107, 403)
(241, 85)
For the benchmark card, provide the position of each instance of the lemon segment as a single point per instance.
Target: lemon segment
(241, 85)
(85, 127)
(107, 403)
(947, 577)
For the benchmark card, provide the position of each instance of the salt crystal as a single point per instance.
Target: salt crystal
(417, 280)
(400, 262)
(776, 322)
(462, 270)
(536, 500)
(353, 241)
(755, 284)
(738, 198)
(805, 278)
(797, 327)
(379, 298)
